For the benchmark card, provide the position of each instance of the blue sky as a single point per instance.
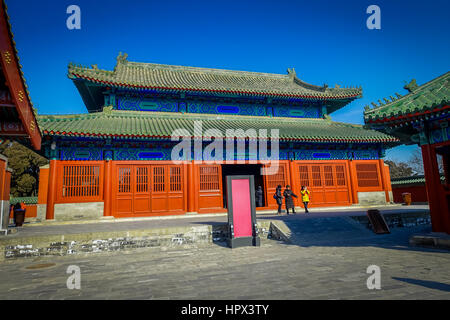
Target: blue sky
(325, 41)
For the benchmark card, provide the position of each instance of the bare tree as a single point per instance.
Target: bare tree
(416, 162)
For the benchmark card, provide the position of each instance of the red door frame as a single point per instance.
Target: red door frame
(438, 196)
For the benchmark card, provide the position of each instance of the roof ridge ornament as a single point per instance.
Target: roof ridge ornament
(107, 109)
(411, 86)
(291, 72)
(122, 57)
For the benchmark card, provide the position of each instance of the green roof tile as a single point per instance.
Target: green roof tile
(429, 96)
(181, 78)
(161, 124)
(26, 200)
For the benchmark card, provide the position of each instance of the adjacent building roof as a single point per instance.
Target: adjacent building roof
(413, 180)
(26, 200)
(433, 96)
(169, 78)
(17, 116)
(141, 124)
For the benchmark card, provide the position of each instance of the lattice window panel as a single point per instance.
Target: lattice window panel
(316, 176)
(209, 178)
(328, 174)
(142, 179)
(277, 179)
(367, 175)
(175, 179)
(340, 176)
(158, 179)
(304, 175)
(124, 180)
(81, 181)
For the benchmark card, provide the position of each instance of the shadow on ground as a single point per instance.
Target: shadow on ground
(425, 283)
(342, 231)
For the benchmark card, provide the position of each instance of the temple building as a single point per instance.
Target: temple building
(118, 159)
(422, 117)
(17, 116)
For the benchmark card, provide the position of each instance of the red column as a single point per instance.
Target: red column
(384, 182)
(439, 207)
(52, 189)
(191, 194)
(387, 174)
(43, 185)
(294, 187)
(107, 188)
(353, 181)
(2, 178)
(7, 185)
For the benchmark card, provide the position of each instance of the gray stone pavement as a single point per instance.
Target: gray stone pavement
(76, 227)
(329, 264)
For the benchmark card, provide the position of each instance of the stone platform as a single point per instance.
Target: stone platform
(431, 240)
(82, 237)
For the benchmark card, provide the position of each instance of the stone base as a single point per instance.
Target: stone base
(41, 214)
(436, 240)
(391, 197)
(372, 198)
(4, 214)
(78, 211)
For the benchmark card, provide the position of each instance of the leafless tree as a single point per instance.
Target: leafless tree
(416, 162)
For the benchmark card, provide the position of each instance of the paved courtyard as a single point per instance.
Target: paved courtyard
(332, 268)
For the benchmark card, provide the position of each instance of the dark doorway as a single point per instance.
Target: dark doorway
(242, 169)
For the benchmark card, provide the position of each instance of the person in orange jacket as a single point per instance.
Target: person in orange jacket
(23, 206)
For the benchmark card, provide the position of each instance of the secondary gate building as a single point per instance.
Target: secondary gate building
(117, 159)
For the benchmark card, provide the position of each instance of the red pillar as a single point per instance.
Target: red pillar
(353, 181)
(384, 182)
(294, 187)
(191, 192)
(107, 188)
(52, 189)
(437, 200)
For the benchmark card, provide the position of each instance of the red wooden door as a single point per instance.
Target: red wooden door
(123, 197)
(210, 196)
(272, 181)
(141, 194)
(159, 189)
(176, 189)
(147, 190)
(327, 183)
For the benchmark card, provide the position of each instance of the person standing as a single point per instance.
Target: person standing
(305, 197)
(288, 194)
(259, 197)
(279, 198)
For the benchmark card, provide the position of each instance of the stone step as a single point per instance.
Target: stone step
(92, 242)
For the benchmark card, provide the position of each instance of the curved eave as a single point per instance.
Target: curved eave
(243, 93)
(137, 136)
(434, 109)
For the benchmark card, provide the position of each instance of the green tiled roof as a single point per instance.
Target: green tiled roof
(410, 180)
(427, 97)
(26, 200)
(179, 78)
(161, 125)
